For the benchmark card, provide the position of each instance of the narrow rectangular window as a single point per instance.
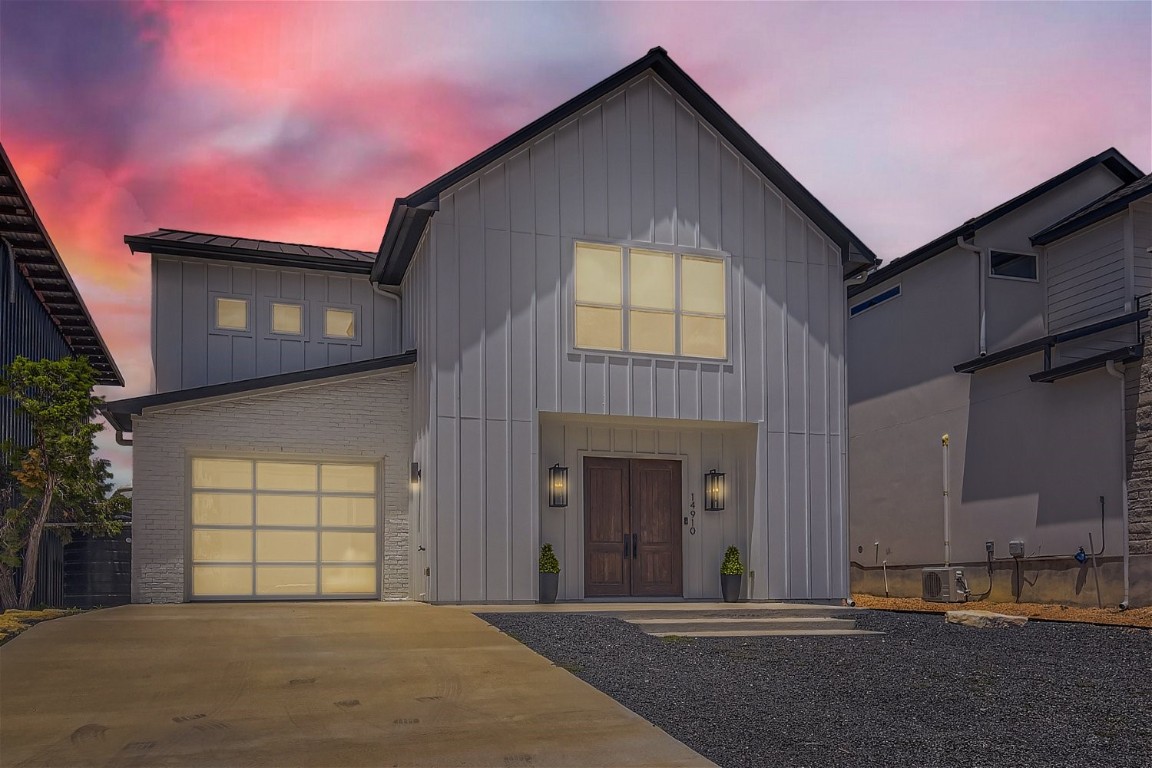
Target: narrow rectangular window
(287, 318)
(1021, 266)
(232, 314)
(879, 298)
(599, 297)
(339, 323)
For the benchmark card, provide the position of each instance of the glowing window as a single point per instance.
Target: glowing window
(339, 323)
(232, 314)
(288, 318)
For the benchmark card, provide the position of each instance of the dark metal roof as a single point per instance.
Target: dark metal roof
(119, 412)
(1111, 159)
(410, 214)
(1098, 210)
(39, 262)
(1121, 355)
(197, 244)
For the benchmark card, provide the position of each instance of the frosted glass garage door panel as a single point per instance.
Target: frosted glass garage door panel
(349, 478)
(286, 546)
(296, 511)
(347, 512)
(221, 509)
(221, 545)
(347, 547)
(348, 580)
(286, 579)
(221, 474)
(222, 580)
(281, 476)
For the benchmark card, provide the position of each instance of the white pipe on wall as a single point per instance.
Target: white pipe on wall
(980, 289)
(1117, 372)
(947, 506)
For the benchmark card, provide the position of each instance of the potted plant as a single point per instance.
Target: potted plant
(731, 572)
(549, 574)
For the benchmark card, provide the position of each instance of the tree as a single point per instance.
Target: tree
(56, 478)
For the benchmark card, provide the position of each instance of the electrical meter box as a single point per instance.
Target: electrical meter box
(1016, 547)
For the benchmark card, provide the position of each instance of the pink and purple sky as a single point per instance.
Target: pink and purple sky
(301, 122)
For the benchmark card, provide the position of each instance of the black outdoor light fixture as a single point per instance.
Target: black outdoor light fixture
(714, 491)
(557, 486)
(414, 475)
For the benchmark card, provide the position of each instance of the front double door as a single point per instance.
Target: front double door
(632, 531)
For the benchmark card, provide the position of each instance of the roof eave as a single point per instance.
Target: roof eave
(141, 244)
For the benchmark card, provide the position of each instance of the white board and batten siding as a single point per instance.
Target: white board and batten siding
(639, 166)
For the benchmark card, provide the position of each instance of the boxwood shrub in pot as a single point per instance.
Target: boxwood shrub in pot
(549, 574)
(731, 573)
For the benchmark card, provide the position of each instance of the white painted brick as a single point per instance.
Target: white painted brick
(365, 416)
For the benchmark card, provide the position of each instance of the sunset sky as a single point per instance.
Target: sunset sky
(301, 122)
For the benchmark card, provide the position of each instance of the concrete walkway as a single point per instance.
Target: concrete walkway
(304, 684)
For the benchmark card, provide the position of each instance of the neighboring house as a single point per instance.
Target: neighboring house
(41, 316)
(1019, 335)
(555, 343)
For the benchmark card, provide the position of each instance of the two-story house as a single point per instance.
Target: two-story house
(993, 400)
(619, 331)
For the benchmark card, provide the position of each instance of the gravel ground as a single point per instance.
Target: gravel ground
(1133, 617)
(925, 694)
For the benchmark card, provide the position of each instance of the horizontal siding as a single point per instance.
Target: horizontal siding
(637, 166)
(1142, 240)
(1086, 278)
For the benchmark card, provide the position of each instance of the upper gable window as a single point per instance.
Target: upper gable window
(650, 301)
(1021, 266)
(287, 319)
(232, 314)
(339, 323)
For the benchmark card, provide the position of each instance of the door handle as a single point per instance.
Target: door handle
(635, 542)
(626, 555)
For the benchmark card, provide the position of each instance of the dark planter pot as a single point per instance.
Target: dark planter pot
(730, 587)
(549, 583)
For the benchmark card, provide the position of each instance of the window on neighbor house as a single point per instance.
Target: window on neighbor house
(339, 323)
(650, 301)
(1021, 266)
(287, 318)
(232, 314)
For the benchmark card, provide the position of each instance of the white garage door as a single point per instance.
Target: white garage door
(283, 529)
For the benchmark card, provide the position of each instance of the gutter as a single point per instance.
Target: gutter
(1117, 372)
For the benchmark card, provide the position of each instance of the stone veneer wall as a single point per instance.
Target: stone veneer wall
(1140, 456)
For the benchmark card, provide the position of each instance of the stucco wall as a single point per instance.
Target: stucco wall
(351, 418)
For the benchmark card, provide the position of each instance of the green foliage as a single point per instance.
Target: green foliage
(57, 478)
(732, 565)
(548, 561)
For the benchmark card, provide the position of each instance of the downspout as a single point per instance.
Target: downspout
(121, 440)
(980, 283)
(390, 294)
(944, 440)
(1117, 371)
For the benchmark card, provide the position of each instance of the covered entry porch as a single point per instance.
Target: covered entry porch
(635, 525)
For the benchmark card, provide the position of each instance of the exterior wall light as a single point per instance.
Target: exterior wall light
(714, 491)
(414, 476)
(557, 486)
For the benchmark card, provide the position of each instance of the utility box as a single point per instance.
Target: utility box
(1016, 547)
(942, 585)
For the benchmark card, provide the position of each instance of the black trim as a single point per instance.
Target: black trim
(1122, 355)
(1111, 159)
(145, 244)
(119, 412)
(1090, 216)
(405, 228)
(1036, 345)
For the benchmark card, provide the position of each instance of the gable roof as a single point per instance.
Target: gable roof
(1098, 210)
(410, 214)
(34, 254)
(178, 242)
(1110, 158)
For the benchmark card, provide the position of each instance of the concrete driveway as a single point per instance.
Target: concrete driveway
(299, 684)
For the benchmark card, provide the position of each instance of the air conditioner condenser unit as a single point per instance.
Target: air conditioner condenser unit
(942, 585)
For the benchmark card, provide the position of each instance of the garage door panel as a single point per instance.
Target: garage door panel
(222, 509)
(337, 580)
(348, 547)
(295, 511)
(221, 545)
(286, 546)
(351, 478)
(348, 511)
(221, 473)
(286, 579)
(283, 476)
(222, 580)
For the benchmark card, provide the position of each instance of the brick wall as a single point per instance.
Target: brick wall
(359, 417)
(1140, 456)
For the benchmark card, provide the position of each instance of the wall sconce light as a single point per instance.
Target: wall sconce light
(557, 486)
(714, 491)
(414, 475)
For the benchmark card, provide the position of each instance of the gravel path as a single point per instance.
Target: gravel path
(925, 694)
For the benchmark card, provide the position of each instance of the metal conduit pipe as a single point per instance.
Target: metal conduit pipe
(980, 287)
(1117, 372)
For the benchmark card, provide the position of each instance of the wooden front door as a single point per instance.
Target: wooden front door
(632, 530)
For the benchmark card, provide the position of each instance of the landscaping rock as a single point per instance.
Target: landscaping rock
(984, 619)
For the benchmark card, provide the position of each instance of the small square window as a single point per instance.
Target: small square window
(1021, 266)
(232, 314)
(339, 323)
(288, 318)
